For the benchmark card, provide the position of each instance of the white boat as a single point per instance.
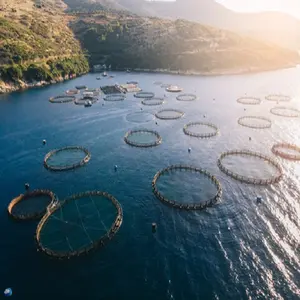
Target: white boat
(104, 74)
(88, 103)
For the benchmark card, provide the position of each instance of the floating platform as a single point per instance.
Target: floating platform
(111, 89)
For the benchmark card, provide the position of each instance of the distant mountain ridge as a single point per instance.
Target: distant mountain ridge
(276, 27)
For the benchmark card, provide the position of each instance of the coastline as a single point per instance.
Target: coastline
(9, 87)
(220, 72)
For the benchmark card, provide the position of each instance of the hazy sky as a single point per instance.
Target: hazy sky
(288, 6)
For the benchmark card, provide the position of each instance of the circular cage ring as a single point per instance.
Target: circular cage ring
(114, 97)
(72, 92)
(201, 135)
(157, 141)
(165, 85)
(246, 179)
(82, 162)
(145, 95)
(157, 83)
(82, 101)
(268, 123)
(177, 114)
(92, 245)
(276, 150)
(62, 99)
(249, 100)
(290, 112)
(175, 204)
(132, 82)
(27, 196)
(186, 97)
(153, 101)
(278, 98)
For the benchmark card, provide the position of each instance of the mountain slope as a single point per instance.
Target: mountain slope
(275, 27)
(36, 43)
(150, 43)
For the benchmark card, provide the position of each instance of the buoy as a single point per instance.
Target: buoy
(244, 109)
(190, 149)
(249, 138)
(203, 116)
(154, 227)
(44, 142)
(156, 123)
(8, 292)
(26, 186)
(116, 167)
(141, 109)
(258, 200)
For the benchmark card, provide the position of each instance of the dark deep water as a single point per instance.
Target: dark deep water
(234, 250)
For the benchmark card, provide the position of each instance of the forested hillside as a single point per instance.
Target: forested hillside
(36, 43)
(44, 41)
(130, 41)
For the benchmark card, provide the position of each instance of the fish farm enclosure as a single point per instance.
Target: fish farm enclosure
(152, 186)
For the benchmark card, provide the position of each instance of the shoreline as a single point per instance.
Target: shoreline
(213, 73)
(9, 87)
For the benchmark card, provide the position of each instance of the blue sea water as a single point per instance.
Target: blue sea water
(234, 250)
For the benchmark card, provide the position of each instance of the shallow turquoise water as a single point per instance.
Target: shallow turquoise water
(235, 250)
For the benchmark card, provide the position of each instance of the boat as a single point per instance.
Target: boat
(88, 103)
(81, 87)
(128, 71)
(174, 89)
(104, 74)
(98, 78)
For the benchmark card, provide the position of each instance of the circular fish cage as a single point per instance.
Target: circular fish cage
(287, 112)
(82, 101)
(187, 206)
(247, 179)
(186, 97)
(143, 138)
(132, 82)
(62, 99)
(140, 117)
(81, 156)
(287, 151)
(114, 97)
(81, 223)
(174, 89)
(31, 205)
(169, 114)
(145, 95)
(263, 123)
(165, 85)
(153, 101)
(278, 98)
(187, 129)
(72, 92)
(157, 83)
(248, 100)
